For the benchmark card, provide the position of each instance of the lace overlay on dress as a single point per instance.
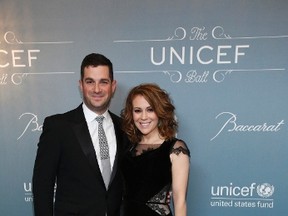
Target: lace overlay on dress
(158, 202)
(143, 148)
(180, 149)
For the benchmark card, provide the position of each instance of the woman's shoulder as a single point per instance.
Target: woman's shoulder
(179, 146)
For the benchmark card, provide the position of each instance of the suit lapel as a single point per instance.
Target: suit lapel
(117, 129)
(82, 133)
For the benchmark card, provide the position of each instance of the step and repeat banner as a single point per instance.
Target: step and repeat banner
(223, 62)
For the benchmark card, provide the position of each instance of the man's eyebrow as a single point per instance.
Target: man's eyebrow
(105, 79)
(88, 78)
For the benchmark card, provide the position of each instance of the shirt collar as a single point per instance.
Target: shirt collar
(90, 115)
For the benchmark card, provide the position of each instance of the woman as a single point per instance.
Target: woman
(157, 162)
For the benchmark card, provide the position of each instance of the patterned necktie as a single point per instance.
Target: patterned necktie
(104, 151)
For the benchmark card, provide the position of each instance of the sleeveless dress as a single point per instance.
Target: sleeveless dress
(147, 177)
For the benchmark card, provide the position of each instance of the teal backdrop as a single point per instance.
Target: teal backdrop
(224, 63)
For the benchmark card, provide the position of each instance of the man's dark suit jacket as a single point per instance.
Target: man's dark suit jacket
(66, 155)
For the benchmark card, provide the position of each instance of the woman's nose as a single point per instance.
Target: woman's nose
(144, 115)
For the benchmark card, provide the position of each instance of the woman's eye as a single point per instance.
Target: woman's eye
(150, 110)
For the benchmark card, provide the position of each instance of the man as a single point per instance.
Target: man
(69, 154)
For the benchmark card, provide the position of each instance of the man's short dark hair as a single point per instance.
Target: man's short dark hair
(96, 59)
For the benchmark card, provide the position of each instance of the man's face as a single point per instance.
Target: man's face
(97, 88)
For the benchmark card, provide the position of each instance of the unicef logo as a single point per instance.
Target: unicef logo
(265, 190)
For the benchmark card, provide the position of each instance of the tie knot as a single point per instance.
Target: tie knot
(99, 119)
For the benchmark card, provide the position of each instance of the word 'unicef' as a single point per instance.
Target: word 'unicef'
(232, 190)
(17, 58)
(223, 54)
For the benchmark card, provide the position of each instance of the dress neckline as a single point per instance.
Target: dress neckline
(149, 148)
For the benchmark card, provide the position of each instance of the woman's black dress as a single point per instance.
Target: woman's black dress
(147, 176)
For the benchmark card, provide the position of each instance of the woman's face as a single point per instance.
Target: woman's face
(144, 116)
